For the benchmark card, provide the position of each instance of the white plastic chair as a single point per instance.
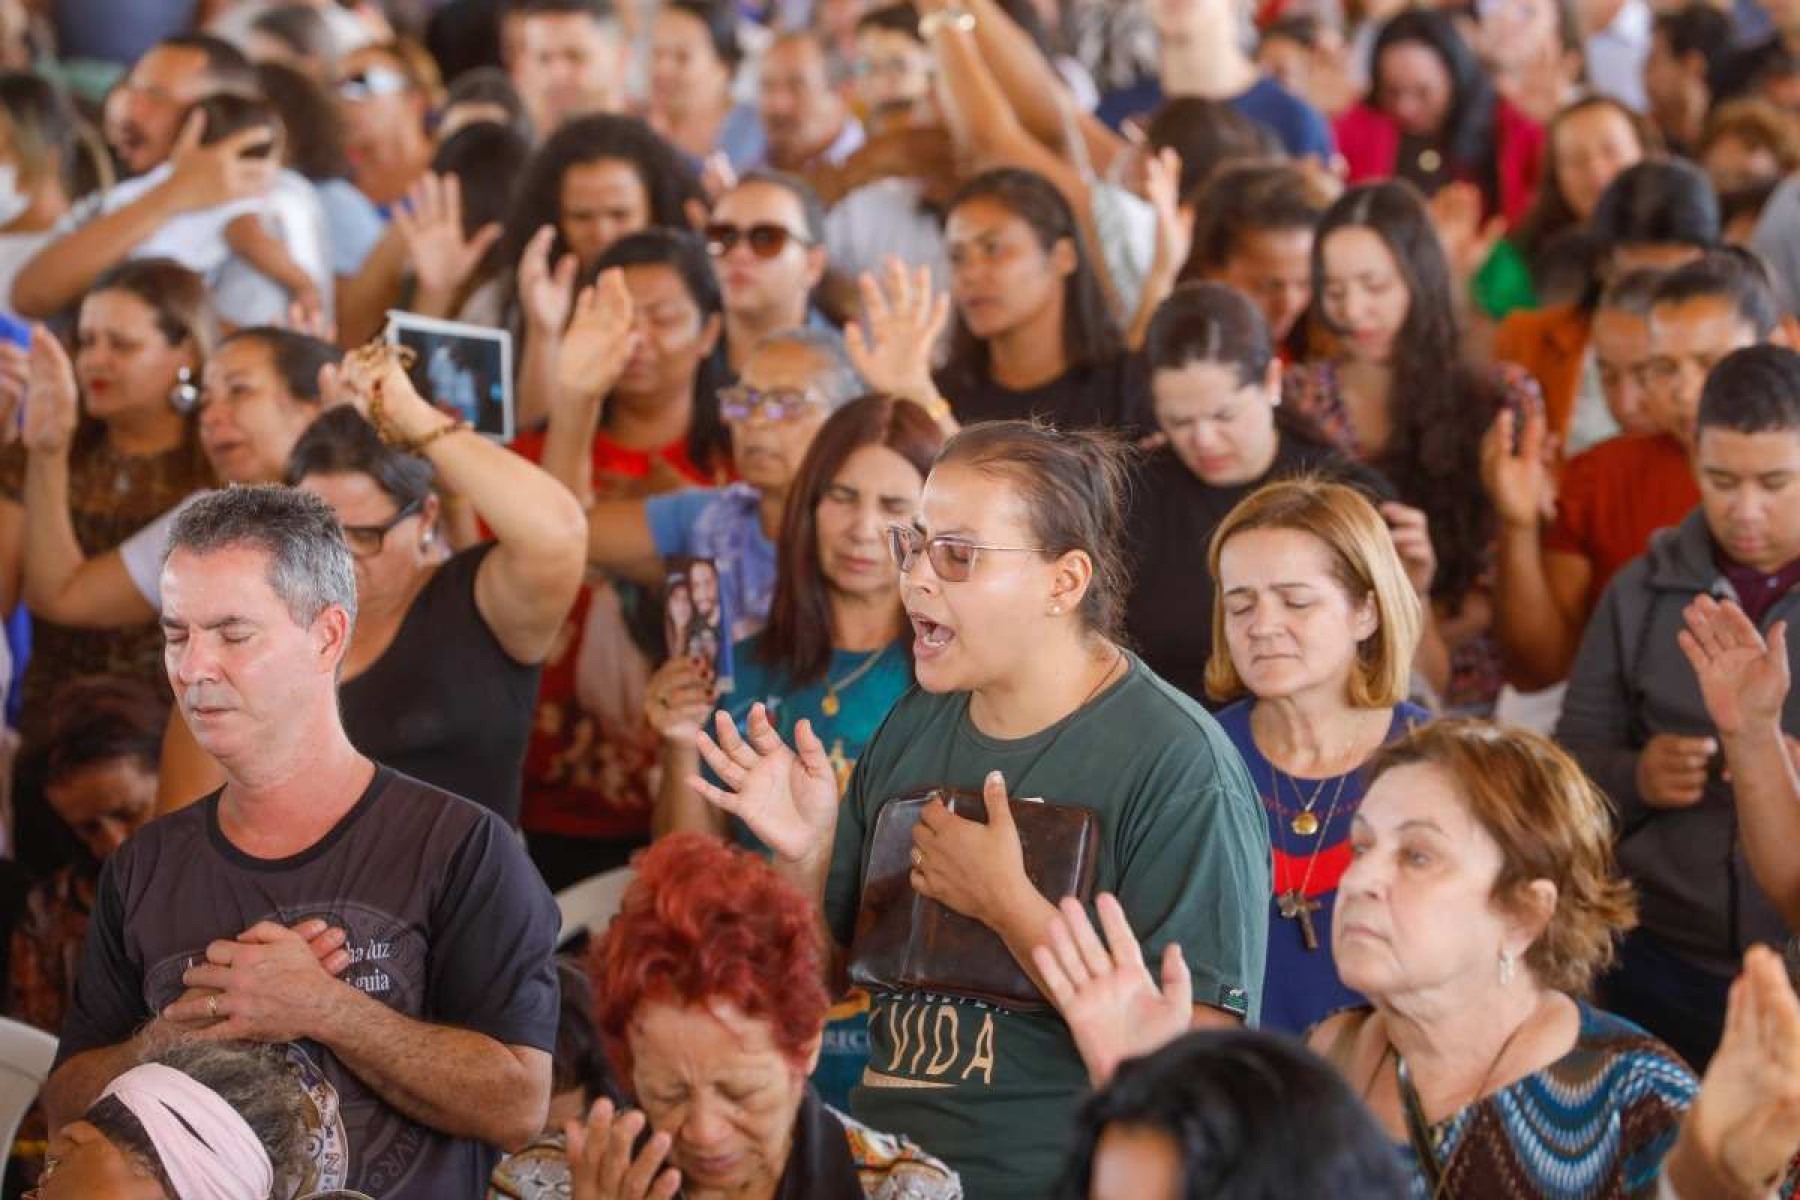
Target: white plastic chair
(591, 904)
(25, 1057)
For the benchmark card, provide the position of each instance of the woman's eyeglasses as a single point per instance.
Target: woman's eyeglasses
(952, 559)
(365, 541)
(767, 240)
(739, 403)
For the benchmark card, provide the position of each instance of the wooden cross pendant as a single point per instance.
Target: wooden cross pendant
(1295, 906)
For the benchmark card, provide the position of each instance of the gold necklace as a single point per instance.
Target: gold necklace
(830, 705)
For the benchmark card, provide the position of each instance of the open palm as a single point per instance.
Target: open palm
(1743, 678)
(1747, 1116)
(903, 318)
(431, 225)
(52, 407)
(546, 292)
(1114, 1009)
(600, 338)
(788, 798)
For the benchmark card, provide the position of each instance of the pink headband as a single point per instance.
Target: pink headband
(208, 1151)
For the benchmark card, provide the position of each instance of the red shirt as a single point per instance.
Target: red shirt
(590, 766)
(1369, 141)
(1613, 496)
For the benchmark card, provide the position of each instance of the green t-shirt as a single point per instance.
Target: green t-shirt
(1185, 847)
(1504, 283)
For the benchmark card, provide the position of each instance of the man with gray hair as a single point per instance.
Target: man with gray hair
(790, 384)
(392, 937)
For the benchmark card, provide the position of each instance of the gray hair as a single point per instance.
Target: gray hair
(259, 1083)
(838, 381)
(310, 568)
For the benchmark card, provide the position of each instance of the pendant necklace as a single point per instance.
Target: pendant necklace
(830, 704)
(1294, 904)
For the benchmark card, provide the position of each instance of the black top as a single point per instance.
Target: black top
(1168, 616)
(1112, 395)
(445, 702)
(446, 921)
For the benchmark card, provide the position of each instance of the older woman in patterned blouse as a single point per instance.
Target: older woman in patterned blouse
(1479, 903)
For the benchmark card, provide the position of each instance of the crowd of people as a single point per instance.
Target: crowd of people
(1135, 598)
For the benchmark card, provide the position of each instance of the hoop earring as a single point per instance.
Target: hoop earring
(184, 397)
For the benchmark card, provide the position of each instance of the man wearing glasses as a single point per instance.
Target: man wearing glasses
(148, 121)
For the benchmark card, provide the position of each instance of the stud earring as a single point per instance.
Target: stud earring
(184, 397)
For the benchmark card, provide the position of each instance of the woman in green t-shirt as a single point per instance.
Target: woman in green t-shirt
(1010, 574)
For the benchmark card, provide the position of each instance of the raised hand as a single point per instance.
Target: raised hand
(1410, 531)
(1467, 239)
(1743, 678)
(1746, 1119)
(430, 223)
(52, 407)
(1518, 480)
(1114, 1009)
(788, 799)
(230, 169)
(1174, 220)
(372, 379)
(546, 293)
(679, 698)
(904, 318)
(602, 1165)
(600, 339)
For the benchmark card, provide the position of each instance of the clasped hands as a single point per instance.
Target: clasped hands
(272, 983)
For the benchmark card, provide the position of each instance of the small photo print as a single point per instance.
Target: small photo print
(696, 623)
(466, 368)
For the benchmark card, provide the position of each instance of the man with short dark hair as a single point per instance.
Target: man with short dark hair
(225, 920)
(149, 119)
(568, 60)
(1635, 719)
(1684, 45)
(807, 122)
(766, 240)
(1613, 496)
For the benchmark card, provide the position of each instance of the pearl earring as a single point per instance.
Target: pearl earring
(184, 397)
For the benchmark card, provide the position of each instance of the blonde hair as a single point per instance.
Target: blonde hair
(1364, 563)
(1549, 821)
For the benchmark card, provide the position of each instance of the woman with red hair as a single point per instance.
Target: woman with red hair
(712, 1006)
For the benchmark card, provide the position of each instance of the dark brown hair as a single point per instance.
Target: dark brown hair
(797, 640)
(1073, 486)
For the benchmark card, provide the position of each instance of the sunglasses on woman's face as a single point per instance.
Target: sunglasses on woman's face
(952, 559)
(767, 240)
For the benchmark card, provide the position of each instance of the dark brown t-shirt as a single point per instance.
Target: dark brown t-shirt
(448, 923)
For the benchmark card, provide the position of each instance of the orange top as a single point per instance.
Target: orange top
(1550, 343)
